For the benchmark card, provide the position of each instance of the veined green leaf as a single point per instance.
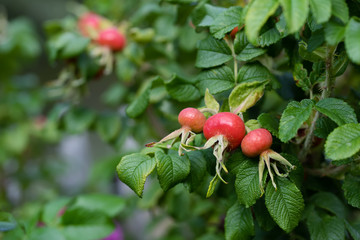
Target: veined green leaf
(197, 170)
(247, 182)
(337, 110)
(246, 51)
(327, 227)
(171, 168)
(181, 89)
(352, 43)
(270, 122)
(226, 21)
(239, 223)
(133, 170)
(329, 202)
(343, 142)
(295, 13)
(293, 117)
(351, 189)
(285, 204)
(217, 80)
(257, 15)
(245, 95)
(212, 52)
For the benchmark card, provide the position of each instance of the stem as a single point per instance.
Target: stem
(330, 171)
(329, 79)
(231, 46)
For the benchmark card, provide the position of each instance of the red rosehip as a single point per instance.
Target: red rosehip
(256, 141)
(89, 24)
(192, 118)
(111, 38)
(228, 124)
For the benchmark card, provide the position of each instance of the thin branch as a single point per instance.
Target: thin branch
(326, 93)
(231, 46)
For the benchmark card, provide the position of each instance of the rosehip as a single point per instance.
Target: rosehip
(227, 124)
(89, 24)
(192, 118)
(111, 38)
(256, 141)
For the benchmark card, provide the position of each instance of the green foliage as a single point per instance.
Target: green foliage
(285, 204)
(238, 223)
(133, 170)
(343, 142)
(295, 114)
(291, 68)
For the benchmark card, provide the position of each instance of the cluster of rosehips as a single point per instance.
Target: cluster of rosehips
(225, 131)
(101, 31)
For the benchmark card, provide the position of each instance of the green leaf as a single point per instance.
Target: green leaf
(197, 170)
(343, 142)
(78, 120)
(327, 227)
(295, 13)
(324, 126)
(87, 232)
(133, 170)
(334, 32)
(321, 10)
(293, 117)
(245, 95)
(239, 223)
(285, 204)
(124, 68)
(252, 72)
(171, 168)
(89, 224)
(258, 13)
(226, 21)
(181, 89)
(70, 45)
(351, 189)
(270, 122)
(340, 64)
(217, 80)
(210, 101)
(212, 52)
(315, 56)
(329, 202)
(7, 222)
(352, 43)
(316, 40)
(247, 182)
(205, 16)
(140, 103)
(108, 126)
(269, 37)
(212, 186)
(301, 77)
(340, 9)
(262, 215)
(353, 230)
(46, 233)
(111, 205)
(246, 51)
(51, 210)
(337, 110)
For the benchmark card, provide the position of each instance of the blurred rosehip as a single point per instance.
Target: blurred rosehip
(89, 24)
(112, 38)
